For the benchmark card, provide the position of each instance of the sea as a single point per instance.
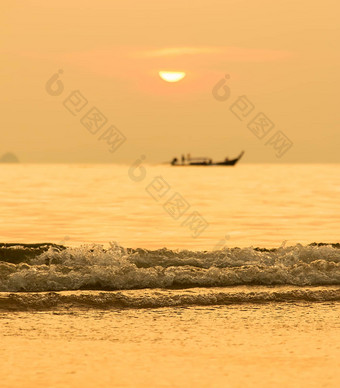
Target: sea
(139, 275)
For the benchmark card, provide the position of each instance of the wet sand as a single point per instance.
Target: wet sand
(277, 344)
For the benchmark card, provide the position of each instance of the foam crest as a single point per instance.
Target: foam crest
(93, 267)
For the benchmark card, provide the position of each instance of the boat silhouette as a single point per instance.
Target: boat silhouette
(203, 161)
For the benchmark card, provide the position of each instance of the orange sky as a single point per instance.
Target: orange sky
(282, 55)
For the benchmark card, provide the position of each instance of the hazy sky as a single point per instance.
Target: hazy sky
(282, 55)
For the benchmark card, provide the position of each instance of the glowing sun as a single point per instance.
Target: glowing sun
(172, 76)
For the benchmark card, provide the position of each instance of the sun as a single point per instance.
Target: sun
(172, 76)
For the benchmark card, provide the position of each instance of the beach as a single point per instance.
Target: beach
(169, 194)
(274, 344)
(105, 285)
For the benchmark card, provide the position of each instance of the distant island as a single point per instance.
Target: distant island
(9, 158)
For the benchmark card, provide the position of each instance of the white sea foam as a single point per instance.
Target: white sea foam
(116, 268)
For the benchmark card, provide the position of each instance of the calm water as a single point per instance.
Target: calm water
(259, 205)
(135, 314)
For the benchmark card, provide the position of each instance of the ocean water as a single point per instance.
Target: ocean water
(143, 206)
(152, 276)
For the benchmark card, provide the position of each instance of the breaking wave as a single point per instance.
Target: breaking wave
(48, 267)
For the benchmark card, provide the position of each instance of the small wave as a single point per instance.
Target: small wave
(162, 298)
(93, 267)
(23, 253)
